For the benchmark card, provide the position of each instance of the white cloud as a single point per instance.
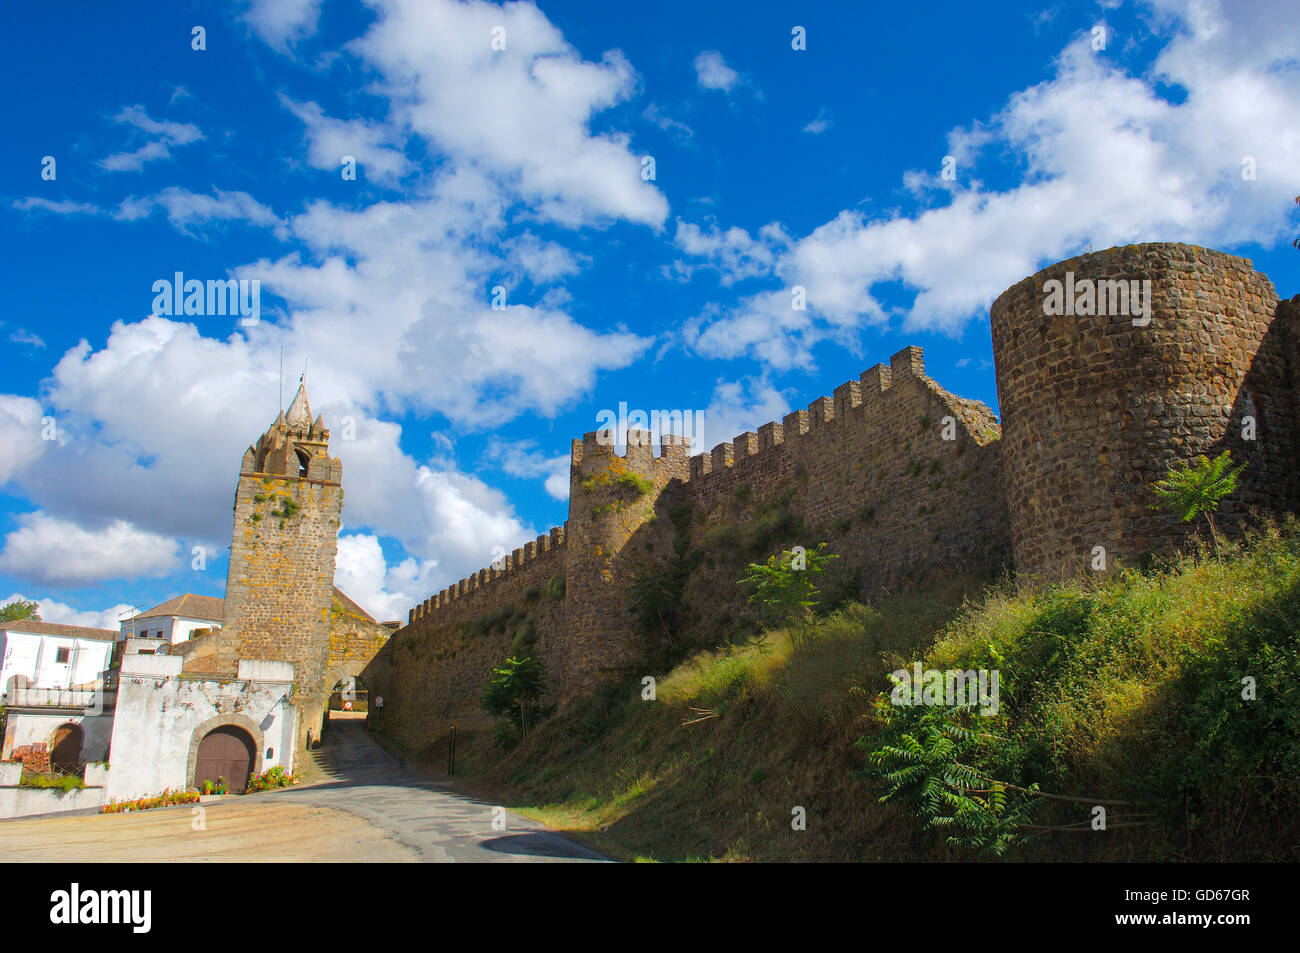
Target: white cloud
(282, 22)
(818, 125)
(1107, 160)
(675, 128)
(524, 460)
(53, 611)
(542, 261)
(433, 509)
(369, 143)
(31, 339)
(168, 134)
(56, 552)
(521, 114)
(62, 207)
(733, 252)
(186, 210)
(712, 72)
(20, 434)
(385, 592)
(738, 407)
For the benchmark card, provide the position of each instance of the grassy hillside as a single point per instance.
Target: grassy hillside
(1127, 691)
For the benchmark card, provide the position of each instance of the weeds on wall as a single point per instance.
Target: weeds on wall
(655, 592)
(288, 507)
(1194, 490)
(632, 486)
(63, 783)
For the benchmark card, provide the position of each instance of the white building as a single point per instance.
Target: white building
(175, 620)
(51, 678)
(52, 656)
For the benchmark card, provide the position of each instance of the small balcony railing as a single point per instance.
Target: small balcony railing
(83, 698)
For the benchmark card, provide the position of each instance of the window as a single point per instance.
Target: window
(62, 655)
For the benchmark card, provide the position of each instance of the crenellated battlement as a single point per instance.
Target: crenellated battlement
(596, 450)
(595, 464)
(864, 401)
(507, 566)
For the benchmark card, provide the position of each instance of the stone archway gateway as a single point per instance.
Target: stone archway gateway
(349, 696)
(227, 753)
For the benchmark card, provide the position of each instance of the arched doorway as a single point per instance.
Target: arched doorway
(65, 749)
(349, 698)
(225, 753)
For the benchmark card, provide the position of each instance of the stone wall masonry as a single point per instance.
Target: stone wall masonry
(353, 641)
(1097, 408)
(611, 499)
(432, 672)
(868, 471)
(279, 587)
(483, 592)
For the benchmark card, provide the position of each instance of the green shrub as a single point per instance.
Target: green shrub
(785, 586)
(555, 587)
(515, 692)
(1130, 689)
(929, 759)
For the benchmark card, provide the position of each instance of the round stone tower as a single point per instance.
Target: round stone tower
(1115, 364)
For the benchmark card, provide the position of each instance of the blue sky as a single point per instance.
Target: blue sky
(523, 168)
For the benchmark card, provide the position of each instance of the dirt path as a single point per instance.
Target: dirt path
(242, 830)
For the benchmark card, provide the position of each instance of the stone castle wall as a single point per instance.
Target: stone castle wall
(869, 471)
(904, 480)
(354, 639)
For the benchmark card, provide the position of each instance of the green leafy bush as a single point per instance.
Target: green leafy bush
(785, 586)
(1171, 695)
(929, 759)
(1195, 489)
(515, 692)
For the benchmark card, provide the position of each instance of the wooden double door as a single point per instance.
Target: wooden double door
(225, 753)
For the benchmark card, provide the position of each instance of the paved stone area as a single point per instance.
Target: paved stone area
(366, 810)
